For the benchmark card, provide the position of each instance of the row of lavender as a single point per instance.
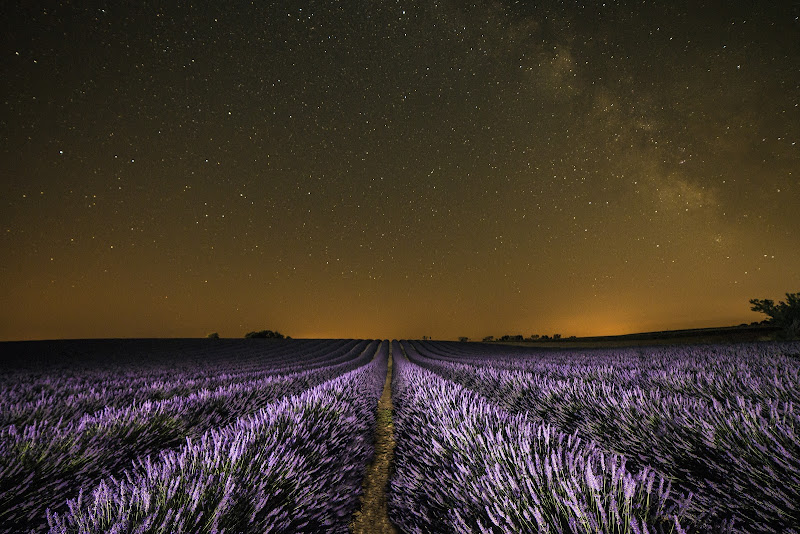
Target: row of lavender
(464, 464)
(294, 466)
(82, 386)
(712, 372)
(43, 463)
(721, 422)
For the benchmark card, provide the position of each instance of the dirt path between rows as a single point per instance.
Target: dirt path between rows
(373, 516)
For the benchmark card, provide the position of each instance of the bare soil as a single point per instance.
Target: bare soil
(373, 516)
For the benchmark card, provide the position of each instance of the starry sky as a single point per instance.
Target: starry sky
(397, 168)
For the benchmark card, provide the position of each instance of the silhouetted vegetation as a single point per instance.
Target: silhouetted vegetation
(264, 334)
(213, 335)
(784, 314)
(532, 337)
(463, 339)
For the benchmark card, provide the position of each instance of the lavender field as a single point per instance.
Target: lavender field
(186, 436)
(670, 439)
(248, 436)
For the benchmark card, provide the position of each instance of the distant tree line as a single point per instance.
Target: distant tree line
(785, 315)
(520, 337)
(265, 334)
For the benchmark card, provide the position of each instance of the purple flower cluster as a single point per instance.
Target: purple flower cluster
(45, 462)
(463, 464)
(294, 466)
(721, 422)
(67, 393)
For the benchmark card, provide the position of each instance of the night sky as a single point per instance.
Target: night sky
(396, 169)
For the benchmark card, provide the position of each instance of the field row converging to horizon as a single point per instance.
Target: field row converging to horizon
(276, 436)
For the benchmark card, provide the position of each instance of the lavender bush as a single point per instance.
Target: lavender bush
(84, 388)
(43, 463)
(720, 421)
(295, 466)
(466, 465)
